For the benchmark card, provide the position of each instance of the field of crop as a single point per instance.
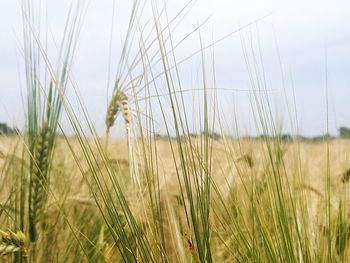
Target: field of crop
(71, 193)
(289, 204)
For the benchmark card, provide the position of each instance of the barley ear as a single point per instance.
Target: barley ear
(119, 102)
(112, 107)
(38, 180)
(12, 242)
(123, 106)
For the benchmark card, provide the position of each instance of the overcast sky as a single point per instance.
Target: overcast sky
(292, 40)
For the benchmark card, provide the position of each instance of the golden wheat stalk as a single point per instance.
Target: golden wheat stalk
(133, 163)
(119, 102)
(37, 194)
(12, 242)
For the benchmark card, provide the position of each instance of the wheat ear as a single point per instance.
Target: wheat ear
(119, 102)
(37, 194)
(11, 242)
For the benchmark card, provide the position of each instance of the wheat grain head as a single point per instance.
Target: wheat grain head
(37, 194)
(11, 242)
(119, 102)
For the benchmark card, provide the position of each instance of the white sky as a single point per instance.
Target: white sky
(299, 31)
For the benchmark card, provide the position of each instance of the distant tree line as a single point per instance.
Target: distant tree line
(6, 130)
(343, 132)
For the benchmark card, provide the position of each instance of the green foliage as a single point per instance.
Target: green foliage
(6, 130)
(344, 132)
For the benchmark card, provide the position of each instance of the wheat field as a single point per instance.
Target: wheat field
(71, 192)
(72, 228)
